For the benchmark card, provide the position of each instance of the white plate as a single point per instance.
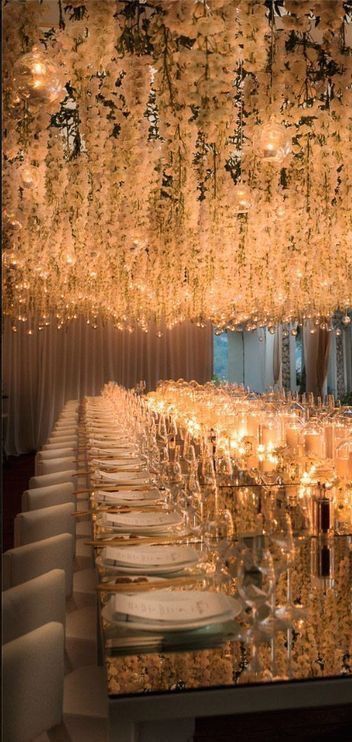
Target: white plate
(165, 569)
(122, 461)
(198, 608)
(115, 442)
(108, 614)
(122, 477)
(114, 451)
(142, 521)
(132, 497)
(117, 466)
(150, 559)
(150, 556)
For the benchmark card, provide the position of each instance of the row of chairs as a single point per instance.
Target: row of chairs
(51, 677)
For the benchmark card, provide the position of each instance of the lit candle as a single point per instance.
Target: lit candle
(314, 443)
(344, 467)
(271, 436)
(330, 441)
(292, 437)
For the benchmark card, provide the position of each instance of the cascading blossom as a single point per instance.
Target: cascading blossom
(122, 201)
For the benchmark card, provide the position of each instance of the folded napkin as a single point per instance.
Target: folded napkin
(121, 477)
(118, 465)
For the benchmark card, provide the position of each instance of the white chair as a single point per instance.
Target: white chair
(33, 604)
(45, 497)
(66, 441)
(44, 523)
(64, 430)
(52, 466)
(23, 563)
(33, 682)
(57, 452)
(45, 480)
(42, 457)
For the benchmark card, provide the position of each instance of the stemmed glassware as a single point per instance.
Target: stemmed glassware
(283, 548)
(217, 532)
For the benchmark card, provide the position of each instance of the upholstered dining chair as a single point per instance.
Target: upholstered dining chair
(44, 480)
(42, 457)
(26, 562)
(43, 523)
(33, 683)
(52, 466)
(44, 497)
(32, 604)
(57, 452)
(65, 441)
(65, 429)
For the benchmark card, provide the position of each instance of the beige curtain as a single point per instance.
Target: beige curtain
(43, 370)
(316, 357)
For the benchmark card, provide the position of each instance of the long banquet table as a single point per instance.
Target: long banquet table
(159, 682)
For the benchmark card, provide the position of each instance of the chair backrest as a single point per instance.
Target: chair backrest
(52, 466)
(42, 457)
(58, 452)
(23, 563)
(46, 497)
(33, 683)
(65, 429)
(66, 421)
(56, 442)
(44, 480)
(33, 604)
(44, 523)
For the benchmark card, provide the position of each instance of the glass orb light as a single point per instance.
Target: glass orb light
(272, 142)
(27, 177)
(280, 211)
(10, 221)
(242, 198)
(37, 79)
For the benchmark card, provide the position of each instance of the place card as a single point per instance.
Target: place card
(151, 555)
(120, 477)
(177, 608)
(129, 495)
(135, 520)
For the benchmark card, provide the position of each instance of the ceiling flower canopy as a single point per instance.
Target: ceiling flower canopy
(174, 159)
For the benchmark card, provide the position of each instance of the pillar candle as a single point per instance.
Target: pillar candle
(343, 467)
(314, 444)
(329, 433)
(293, 435)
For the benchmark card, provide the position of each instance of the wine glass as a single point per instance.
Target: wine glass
(281, 536)
(218, 531)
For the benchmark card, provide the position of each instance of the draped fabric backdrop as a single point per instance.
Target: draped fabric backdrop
(316, 357)
(43, 370)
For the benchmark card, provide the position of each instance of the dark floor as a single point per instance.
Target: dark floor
(15, 477)
(298, 725)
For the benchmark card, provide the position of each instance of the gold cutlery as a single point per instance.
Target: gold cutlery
(138, 540)
(123, 587)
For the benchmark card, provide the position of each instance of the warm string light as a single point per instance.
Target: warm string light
(152, 194)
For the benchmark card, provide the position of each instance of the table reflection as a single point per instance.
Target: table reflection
(313, 642)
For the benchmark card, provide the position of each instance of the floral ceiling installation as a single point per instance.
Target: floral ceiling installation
(176, 159)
